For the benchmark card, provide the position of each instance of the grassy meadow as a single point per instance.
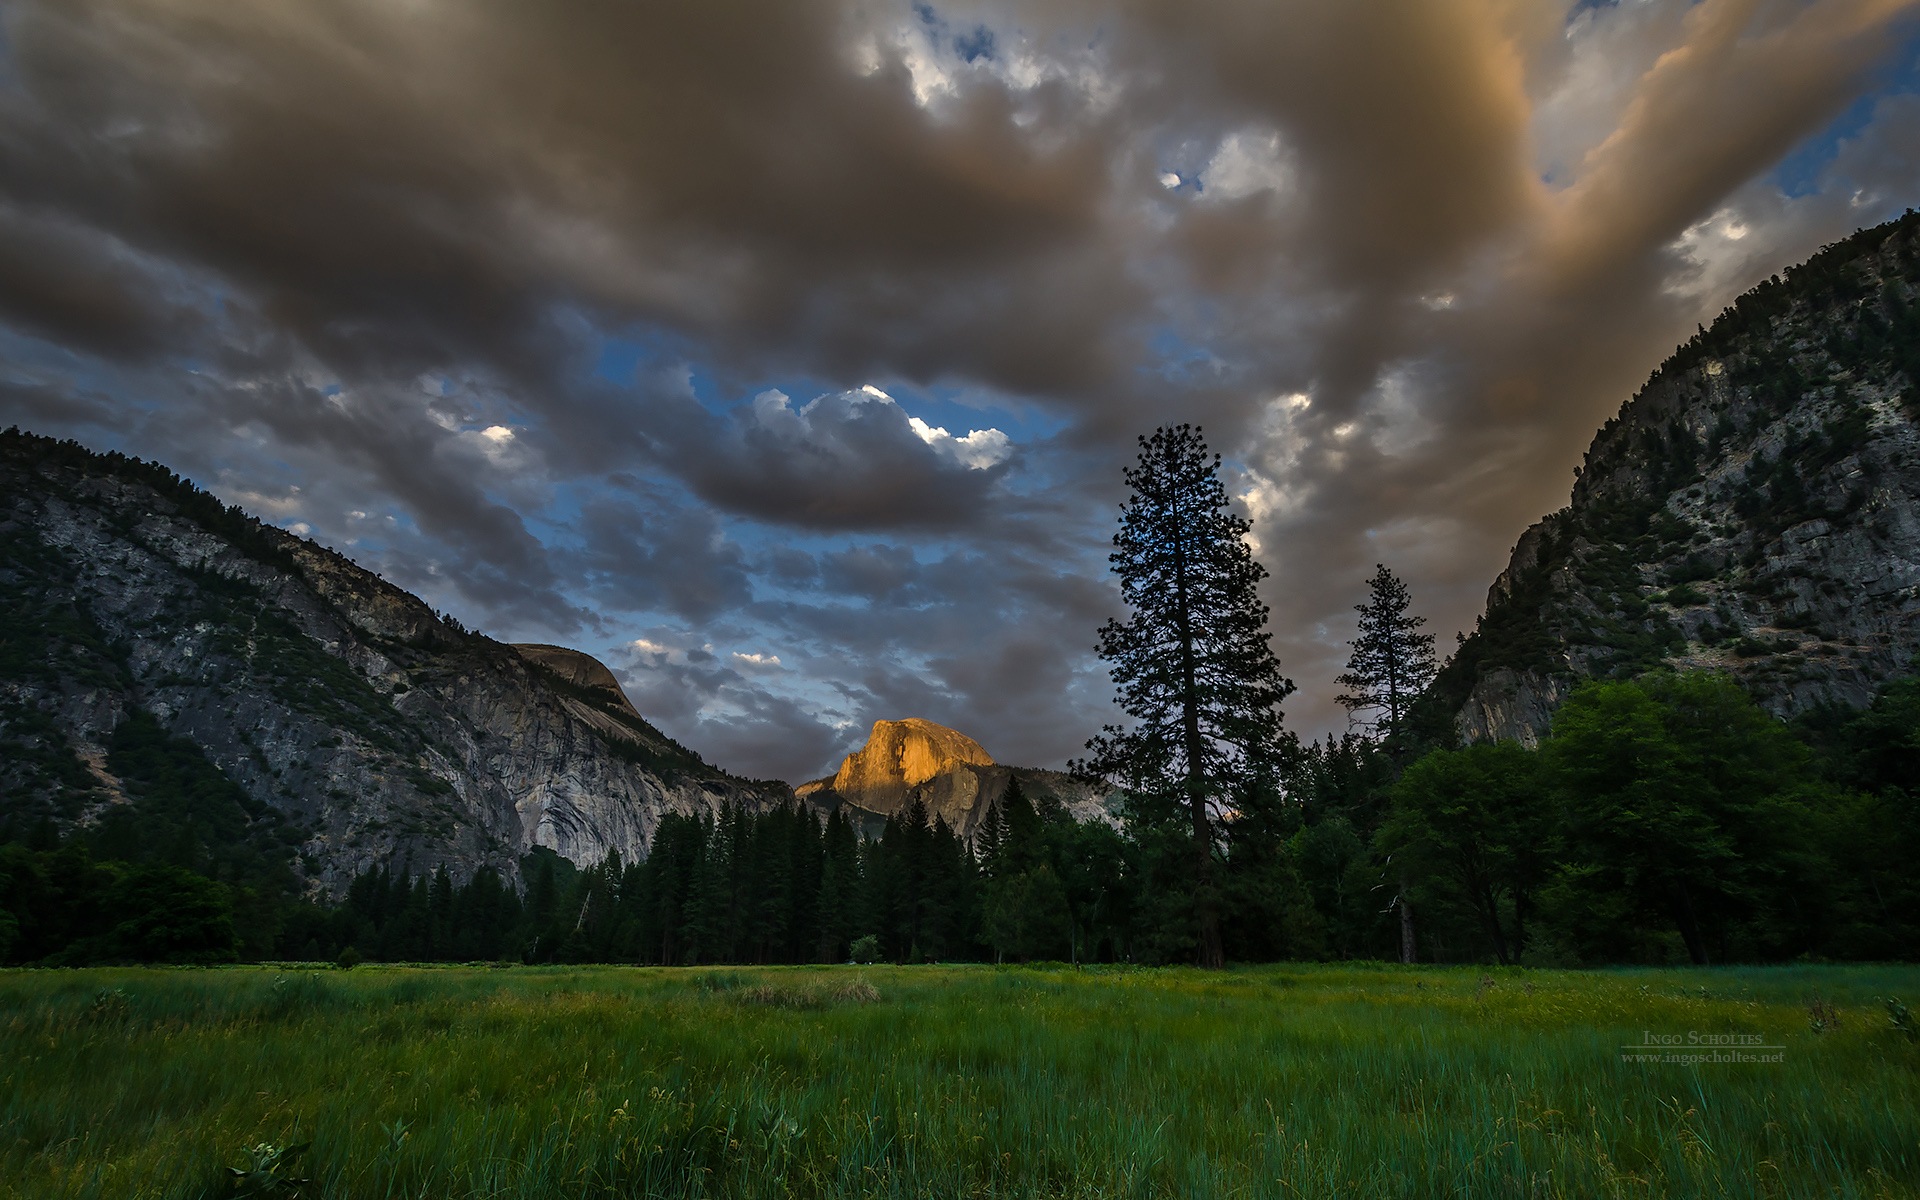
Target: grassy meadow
(951, 1081)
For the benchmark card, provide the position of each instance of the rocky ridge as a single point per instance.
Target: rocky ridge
(370, 729)
(946, 771)
(1754, 509)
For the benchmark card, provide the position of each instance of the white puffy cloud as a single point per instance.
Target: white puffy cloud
(1247, 163)
(978, 450)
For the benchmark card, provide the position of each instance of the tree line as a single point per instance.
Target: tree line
(1664, 818)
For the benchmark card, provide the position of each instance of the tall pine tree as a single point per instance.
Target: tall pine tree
(1392, 660)
(1192, 665)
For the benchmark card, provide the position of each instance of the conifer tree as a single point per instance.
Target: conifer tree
(1392, 660)
(988, 838)
(1392, 664)
(1019, 830)
(839, 889)
(1192, 664)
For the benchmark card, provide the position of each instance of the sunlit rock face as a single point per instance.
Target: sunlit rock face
(902, 755)
(1755, 509)
(946, 771)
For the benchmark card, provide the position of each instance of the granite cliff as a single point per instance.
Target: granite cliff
(365, 728)
(943, 769)
(1754, 509)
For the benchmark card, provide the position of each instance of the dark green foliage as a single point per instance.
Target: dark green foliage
(1665, 819)
(1340, 792)
(1026, 916)
(54, 897)
(186, 813)
(742, 887)
(190, 868)
(1873, 749)
(399, 918)
(1270, 910)
(777, 886)
(1052, 888)
(1472, 825)
(64, 907)
(164, 914)
(1192, 666)
(1392, 660)
(1870, 833)
(1752, 647)
(1682, 804)
(1692, 569)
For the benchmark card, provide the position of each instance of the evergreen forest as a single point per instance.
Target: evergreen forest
(1667, 819)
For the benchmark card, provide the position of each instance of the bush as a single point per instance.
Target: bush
(349, 959)
(865, 949)
(1752, 647)
(171, 915)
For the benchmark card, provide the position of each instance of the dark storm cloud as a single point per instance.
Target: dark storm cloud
(733, 719)
(1398, 259)
(874, 572)
(997, 644)
(435, 475)
(668, 559)
(843, 461)
(41, 405)
(1405, 122)
(72, 286)
(406, 186)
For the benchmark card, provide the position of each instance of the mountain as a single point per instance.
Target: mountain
(157, 642)
(945, 770)
(1754, 509)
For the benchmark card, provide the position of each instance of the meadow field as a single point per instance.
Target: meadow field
(954, 1081)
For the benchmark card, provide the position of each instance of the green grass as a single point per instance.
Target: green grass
(964, 1081)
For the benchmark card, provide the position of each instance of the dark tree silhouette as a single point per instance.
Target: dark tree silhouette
(1392, 660)
(1192, 664)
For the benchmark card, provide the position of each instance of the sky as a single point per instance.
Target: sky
(786, 356)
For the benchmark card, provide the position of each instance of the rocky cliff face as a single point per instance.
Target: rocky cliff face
(945, 770)
(374, 730)
(903, 755)
(1754, 509)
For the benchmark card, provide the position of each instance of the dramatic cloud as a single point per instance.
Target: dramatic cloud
(852, 460)
(787, 355)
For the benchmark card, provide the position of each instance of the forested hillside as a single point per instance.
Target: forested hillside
(1754, 509)
(182, 685)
